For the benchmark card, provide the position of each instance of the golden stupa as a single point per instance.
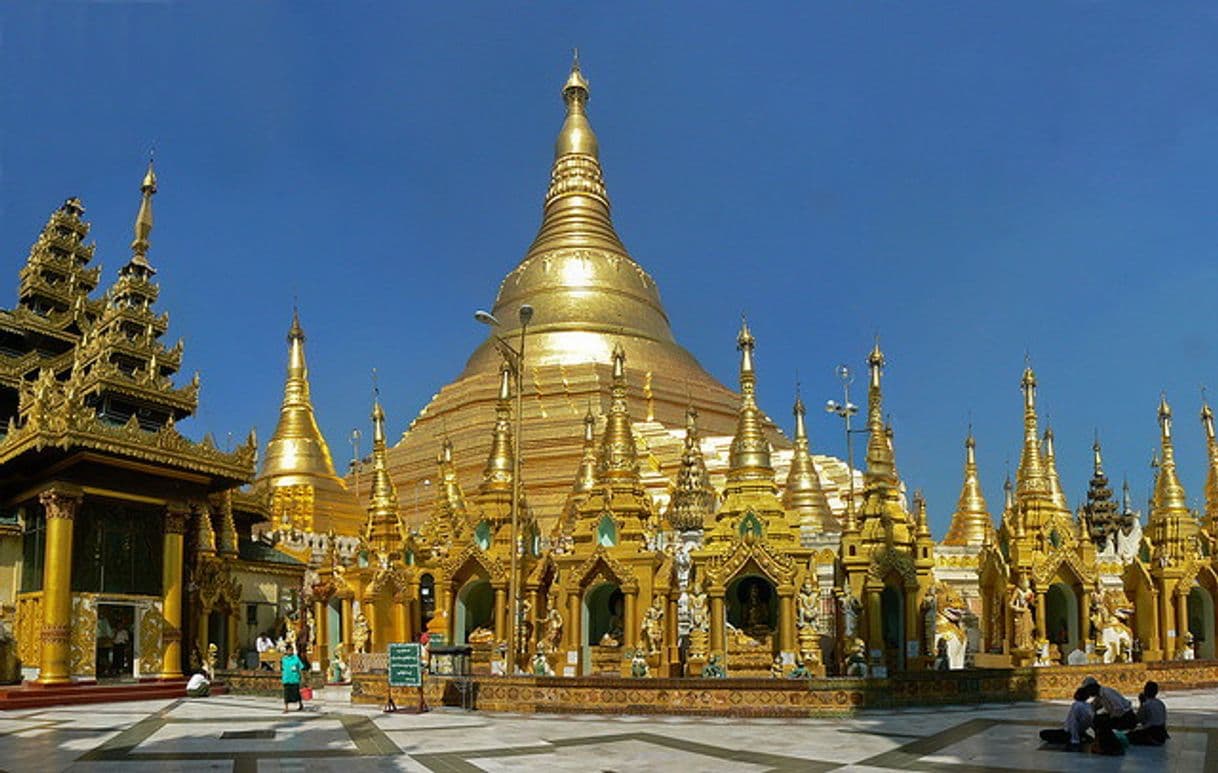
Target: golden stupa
(588, 295)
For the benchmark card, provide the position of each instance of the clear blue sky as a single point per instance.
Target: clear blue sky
(971, 181)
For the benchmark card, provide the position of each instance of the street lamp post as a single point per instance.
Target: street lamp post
(845, 410)
(514, 356)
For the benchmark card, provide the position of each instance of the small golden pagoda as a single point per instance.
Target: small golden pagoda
(305, 491)
(886, 555)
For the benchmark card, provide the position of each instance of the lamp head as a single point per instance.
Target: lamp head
(831, 406)
(526, 314)
(486, 318)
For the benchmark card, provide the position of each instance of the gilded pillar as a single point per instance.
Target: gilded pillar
(501, 625)
(1155, 622)
(401, 614)
(717, 644)
(572, 628)
(369, 609)
(321, 632)
(1167, 623)
(631, 625)
(347, 623)
(172, 591)
(55, 663)
(913, 628)
(1181, 622)
(671, 631)
(1042, 612)
(1084, 620)
(786, 619)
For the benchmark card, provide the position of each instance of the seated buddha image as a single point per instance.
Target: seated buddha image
(755, 609)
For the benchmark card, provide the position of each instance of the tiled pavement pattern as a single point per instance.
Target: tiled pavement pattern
(247, 734)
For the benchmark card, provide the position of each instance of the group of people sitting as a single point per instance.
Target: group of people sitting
(1115, 722)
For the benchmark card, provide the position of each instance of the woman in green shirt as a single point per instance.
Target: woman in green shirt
(292, 669)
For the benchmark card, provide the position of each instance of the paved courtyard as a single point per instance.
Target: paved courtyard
(246, 734)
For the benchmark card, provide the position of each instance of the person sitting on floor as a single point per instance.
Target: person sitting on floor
(1113, 712)
(1152, 718)
(198, 686)
(1075, 731)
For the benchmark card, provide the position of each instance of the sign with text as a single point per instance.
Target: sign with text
(406, 665)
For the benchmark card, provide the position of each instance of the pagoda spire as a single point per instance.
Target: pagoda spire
(383, 529)
(576, 210)
(1211, 478)
(803, 492)
(1055, 482)
(693, 501)
(297, 447)
(1171, 524)
(749, 457)
(618, 462)
(1100, 511)
(1030, 477)
(143, 219)
(449, 495)
(585, 477)
(971, 521)
(881, 474)
(497, 475)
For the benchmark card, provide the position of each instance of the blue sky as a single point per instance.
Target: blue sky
(970, 180)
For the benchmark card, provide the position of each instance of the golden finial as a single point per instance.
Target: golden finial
(803, 491)
(881, 465)
(1211, 478)
(1169, 498)
(745, 344)
(920, 517)
(749, 457)
(1055, 483)
(618, 459)
(576, 136)
(1030, 476)
(1097, 456)
(497, 475)
(383, 528)
(971, 521)
(143, 219)
(585, 478)
(619, 362)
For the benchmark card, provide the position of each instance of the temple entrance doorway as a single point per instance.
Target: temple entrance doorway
(1201, 622)
(1061, 615)
(892, 625)
(475, 610)
(752, 607)
(115, 641)
(427, 600)
(217, 634)
(602, 625)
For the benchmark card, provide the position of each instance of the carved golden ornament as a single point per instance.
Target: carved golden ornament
(151, 646)
(60, 503)
(177, 521)
(84, 635)
(56, 634)
(610, 570)
(470, 560)
(885, 560)
(777, 567)
(215, 585)
(29, 627)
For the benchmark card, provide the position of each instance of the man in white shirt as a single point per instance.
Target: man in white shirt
(263, 644)
(198, 686)
(1073, 732)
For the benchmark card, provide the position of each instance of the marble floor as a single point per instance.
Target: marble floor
(247, 734)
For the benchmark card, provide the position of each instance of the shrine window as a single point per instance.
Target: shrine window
(482, 535)
(33, 549)
(606, 532)
(116, 548)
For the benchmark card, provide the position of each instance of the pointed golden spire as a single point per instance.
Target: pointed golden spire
(297, 448)
(971, 521)
(1211, 478)
(143, 220)
(618, 460)
(449, 494)
(383, 529)
(1099, 514)
(921, 520)
(693, 501)
(576, 209)
(749, 458)
(1169, 493)
(585, 478)
(1030, 477)
(1055, 481)
(881, 467)
(497, 475)
(803, 492)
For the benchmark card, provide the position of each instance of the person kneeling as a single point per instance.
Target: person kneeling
(198, 686)
(1152, 718)
(1078, 721)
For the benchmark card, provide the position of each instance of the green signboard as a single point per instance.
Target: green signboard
(406, 665)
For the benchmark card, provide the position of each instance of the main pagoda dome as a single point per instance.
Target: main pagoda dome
(589, 296)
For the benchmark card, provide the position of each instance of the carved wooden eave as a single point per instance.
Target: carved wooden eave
(603, 561)
(474, 556)
(777, 567)
(1046, 567)
(886, 560)
(166, 446)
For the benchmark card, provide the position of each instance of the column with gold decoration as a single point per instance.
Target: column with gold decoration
(60, 503)
(173, 548)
